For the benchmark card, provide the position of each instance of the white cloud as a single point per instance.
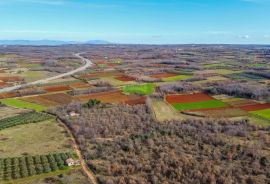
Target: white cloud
(244, 36)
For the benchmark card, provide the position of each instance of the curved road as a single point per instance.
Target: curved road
(87, 64)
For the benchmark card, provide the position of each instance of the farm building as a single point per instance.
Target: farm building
(71, 162)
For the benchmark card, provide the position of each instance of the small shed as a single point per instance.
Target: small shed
(70, 162)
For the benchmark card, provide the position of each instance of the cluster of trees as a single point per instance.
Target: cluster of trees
(90, 90)
(32, 117)
(31, 91)
(131, 147)
(177, 87)
(260, 74)
(21, 167)
(238, 89)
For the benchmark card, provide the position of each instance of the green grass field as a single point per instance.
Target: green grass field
(145, 89)
(177, 78)
(22, 104)
(199, 105)
(262, 113)
(33, 139)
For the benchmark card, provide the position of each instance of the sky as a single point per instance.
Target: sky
(138, 21)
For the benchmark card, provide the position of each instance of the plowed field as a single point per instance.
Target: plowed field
(186, 98)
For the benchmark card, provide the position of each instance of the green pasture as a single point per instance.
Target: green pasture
(13, 102)
(265, 113)
(177, 78)
(144, 89)
(199, 105)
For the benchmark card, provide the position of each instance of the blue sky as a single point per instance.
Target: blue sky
(138, 21)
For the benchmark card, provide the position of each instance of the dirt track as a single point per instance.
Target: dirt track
(85, 168)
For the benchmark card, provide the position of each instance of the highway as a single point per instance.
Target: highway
(87, 64)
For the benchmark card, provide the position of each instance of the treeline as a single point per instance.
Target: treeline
(177, 87)
(244, 90)
(21, 167)
(32, 117)
(90, 91)
(260, 74)
(124, 145)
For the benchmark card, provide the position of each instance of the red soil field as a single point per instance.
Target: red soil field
(3, 84)
(112, 64)
(110, 97)
(125, 78)
(163, 75)
(140, 100)
(10, 79)
(56, 88)
(51, 99)
(186, 98)
(79, 85)
(255, 107)
(8, 95)
(101, 62)
(101, 74)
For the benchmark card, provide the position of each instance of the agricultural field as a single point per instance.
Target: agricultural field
(25, 118)
(22, 167)
(164, 112)
(144, 89)
(70, 176)
(112, 97)
(33, 139)
(265, 113)
(13, 102)
(50, 100)
(152, 101)
(6, 111)
(210, 104)
(177, 78)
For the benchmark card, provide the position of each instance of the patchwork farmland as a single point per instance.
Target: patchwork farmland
(132, 105)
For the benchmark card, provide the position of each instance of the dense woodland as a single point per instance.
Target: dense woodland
(124, 144)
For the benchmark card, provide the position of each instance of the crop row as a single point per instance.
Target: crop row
(21, 167)
(32, 117)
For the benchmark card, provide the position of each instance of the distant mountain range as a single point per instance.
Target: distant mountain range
(50, 42)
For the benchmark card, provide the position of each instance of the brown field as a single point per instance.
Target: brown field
(125, 78)
(79, 85)
(8, 95)
(226, 113)
(255, 107)
(50, 99)
(186, 98)
(11, 79)
(101, 74)
(56, 88)
(163, 75)
(111, 97)
(242, 102)
(3, 84)
(139, 100)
